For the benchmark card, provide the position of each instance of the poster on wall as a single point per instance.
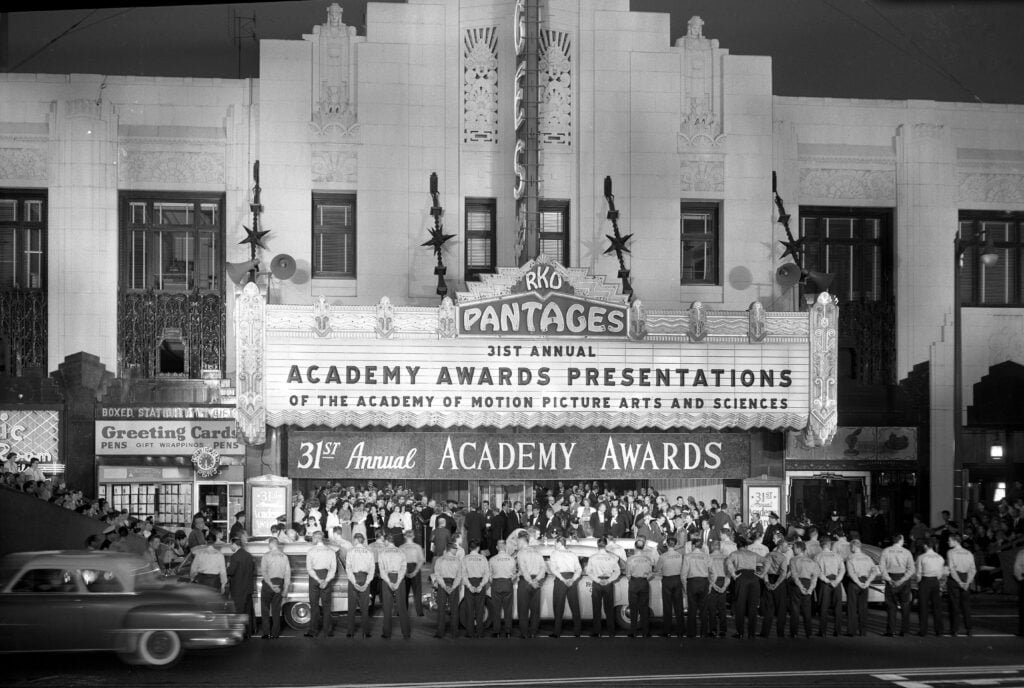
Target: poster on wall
(761, 501)
(268, 502)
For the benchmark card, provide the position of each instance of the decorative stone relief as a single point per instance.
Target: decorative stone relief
(697, 175)
(823, 418)
(250, 331)
(335, 166)
(697, 328)
(701, 122)
(555, 98)
(447, 327)
(334, 75)
(385, 326)
(757, 325)
(321, 317)
(1006, 344)
(84, 108)
(928, 130)
(27, 164)
(480, 85)
(1007, 187)
(879, 185)
(637, 321)
(176, 167)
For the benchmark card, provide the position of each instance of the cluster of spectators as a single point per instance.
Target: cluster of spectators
(28, 478)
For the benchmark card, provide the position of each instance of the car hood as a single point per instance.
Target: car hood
(190, 593)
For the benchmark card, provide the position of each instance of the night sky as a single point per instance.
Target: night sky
(967, 50)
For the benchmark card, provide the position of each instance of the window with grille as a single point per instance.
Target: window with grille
(167, 503)
(698, 243)
(554, 230)
(1002, 283)
(853, 246)
(172, 242)
(22, 240)
(334, 235)
(481, 229)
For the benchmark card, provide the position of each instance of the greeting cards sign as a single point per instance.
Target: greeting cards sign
(536, 346)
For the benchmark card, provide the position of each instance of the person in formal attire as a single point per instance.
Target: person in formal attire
(929, 571)
(896, 566)
(275, 573)
(603, 570)
(617, 524)
(241, 570)
(238, 527)
(566, 569)
(504, 573)
(861, 571)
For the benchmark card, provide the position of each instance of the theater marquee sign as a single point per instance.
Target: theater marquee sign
(537, 346)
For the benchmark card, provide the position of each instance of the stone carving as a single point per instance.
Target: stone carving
(990, 187)
(321, 317)
(555, 97)
(878, 185)
(250, 320)
(701, 123)
(702, 176)
(480, 85)
(757, 322)
(928, 130)
(447, 327)
(176, 167)
(385, 326)
(823, 418)
(27, 164)
(335, 166)
(83, 108)
(334, 69)
(697, 326)
(637, 321)
(1006, 344)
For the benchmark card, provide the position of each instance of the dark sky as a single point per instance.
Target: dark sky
(962, 50)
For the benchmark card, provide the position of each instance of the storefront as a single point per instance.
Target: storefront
(33, 433)
(171, 462)
(540, 373)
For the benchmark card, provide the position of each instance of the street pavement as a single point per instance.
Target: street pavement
(993, 656)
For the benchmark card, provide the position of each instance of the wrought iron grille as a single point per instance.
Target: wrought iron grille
(143, 316)
(23, 325)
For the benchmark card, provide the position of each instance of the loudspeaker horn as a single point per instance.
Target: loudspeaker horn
(788, 275)
(817, 282)
(239, 272)
(282, 266)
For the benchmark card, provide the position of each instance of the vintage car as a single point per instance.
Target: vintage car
(82, 600)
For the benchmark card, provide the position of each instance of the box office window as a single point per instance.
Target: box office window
(334, 236)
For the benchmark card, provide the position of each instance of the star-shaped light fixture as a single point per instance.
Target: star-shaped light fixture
(254, 237)
(437, 239)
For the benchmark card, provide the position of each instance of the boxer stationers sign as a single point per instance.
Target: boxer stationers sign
(537, 346)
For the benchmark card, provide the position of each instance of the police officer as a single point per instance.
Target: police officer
(447, 581)
(415, 558)
(696, 571)
(276, 573)
(476, 574)
(603, 570)
(670, 567)
(718, 581)
(742, 566)
(830, 591)
(803, 576)
(962, 570)
(532, 573)
(775, 596)
(640, 571)
(566, 569)
(321, 565)
(929, 573)
(897, 569)
(503, 575)
(393, 567)
(360, 566)
(860, 572)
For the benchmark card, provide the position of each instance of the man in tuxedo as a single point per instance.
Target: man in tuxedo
(474, 524)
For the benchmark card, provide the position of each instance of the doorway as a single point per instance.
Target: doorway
(815, 496)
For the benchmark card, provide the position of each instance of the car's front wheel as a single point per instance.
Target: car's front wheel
(298, 615)
(622, 616)
(159, 648)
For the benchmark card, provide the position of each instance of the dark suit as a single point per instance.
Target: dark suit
(474, 525)
(241, 582)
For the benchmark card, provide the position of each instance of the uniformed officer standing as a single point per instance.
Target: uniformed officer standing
(803, 576)
(929, 573)
(897, 568)
(360, 565)
(742, 566)
(376, 547)
(603, 570)
(393, 567)
(532, 572)
(503, 574)
(415, 558)
(718, 581)
(640, 571)
(830, 588)
(447, 585)
(775, 596)
(860, 572)
(476, 574)
(321, 565)
(1018, 574)
(565, 567)
(962, 570)
(670, 567)
(276, 572)
(696, 571)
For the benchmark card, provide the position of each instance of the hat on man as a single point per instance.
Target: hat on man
(773, 515)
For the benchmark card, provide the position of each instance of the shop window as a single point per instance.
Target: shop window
(554, 230)
(699, 238)
(170, 504)
(172, 243)
(334, 236)
(1001, 284)
(481, 230)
